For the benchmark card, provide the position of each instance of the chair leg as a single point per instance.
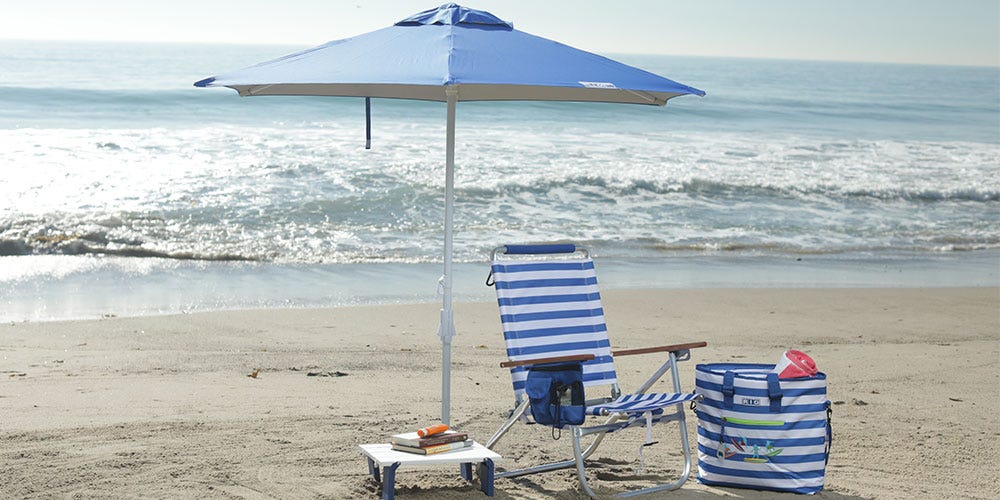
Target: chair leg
(686, 448)
(515, 415)
(564, 464)
(580, 468)
(685, 445)
(580, 455)
(684, 473)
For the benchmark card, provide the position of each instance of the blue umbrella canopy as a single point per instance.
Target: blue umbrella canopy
(452, 54)
(473, 51)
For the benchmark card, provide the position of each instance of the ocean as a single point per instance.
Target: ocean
(126, 191)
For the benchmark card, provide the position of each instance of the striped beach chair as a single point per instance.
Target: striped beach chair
(551, 312)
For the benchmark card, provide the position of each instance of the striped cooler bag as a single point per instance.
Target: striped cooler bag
(758, 431)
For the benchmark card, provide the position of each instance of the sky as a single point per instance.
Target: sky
(958, 32)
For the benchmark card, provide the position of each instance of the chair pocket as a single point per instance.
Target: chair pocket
(555, 392)
(572, 406)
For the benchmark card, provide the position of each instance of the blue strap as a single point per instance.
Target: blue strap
(727, 389)
(774, 392)
(722, 439)
(539, 249)
(829, 432)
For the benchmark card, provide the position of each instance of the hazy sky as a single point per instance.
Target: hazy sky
(910, 31)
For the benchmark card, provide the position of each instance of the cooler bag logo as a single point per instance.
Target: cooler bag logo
(749, 401)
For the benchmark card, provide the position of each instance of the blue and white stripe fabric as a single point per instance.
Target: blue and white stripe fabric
(758, 431)
(553, 308)
(640, 403)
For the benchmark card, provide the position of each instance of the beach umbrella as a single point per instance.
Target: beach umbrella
(451, 54)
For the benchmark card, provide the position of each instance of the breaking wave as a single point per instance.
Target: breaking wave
(709, 188)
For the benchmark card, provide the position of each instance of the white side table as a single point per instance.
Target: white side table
(383, 456)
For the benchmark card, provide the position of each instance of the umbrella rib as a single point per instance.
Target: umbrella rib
(254, 90)
(650, 98)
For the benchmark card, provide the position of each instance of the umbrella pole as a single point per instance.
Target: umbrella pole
(368, 122)
(446, 329)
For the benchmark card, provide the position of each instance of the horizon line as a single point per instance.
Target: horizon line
(996, 65)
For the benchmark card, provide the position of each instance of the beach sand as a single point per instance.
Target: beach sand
(164, 407)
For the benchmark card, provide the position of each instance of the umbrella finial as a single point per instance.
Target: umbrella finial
(451, 13)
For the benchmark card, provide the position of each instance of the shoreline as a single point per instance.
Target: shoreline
(291, 309)
(163, 406)
(54, 287)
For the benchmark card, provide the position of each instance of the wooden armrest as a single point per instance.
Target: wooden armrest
(665, 348)
(557, 359)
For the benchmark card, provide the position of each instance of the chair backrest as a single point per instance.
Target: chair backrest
(550, 308)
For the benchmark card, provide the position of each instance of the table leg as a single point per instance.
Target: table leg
(373, 470)
(486, 477)
(467, 471)
(389, 481)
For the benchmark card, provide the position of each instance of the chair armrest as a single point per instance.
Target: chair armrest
(679, 352)
(557, 359)
(665, 348)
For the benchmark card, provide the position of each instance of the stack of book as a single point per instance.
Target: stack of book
(442, 442)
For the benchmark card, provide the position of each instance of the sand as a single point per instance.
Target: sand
(164, 407)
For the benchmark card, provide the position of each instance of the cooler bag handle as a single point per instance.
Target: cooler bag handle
(774, 392)
(829, 432)
(727, 389)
